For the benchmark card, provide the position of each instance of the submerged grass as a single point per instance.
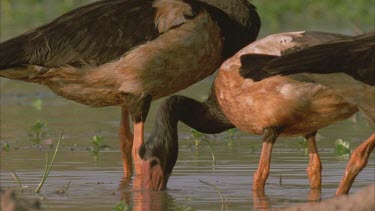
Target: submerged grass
(231, 134)
(17, 180)
(223, 200)
(38, 132)
(199, 137)
(121, 206)
(48, 167)
(304, 146)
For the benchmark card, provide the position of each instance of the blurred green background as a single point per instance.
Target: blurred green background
(341, 16)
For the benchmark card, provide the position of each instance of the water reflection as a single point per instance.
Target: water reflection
(260, 200)
(133, 194)
(140, 199)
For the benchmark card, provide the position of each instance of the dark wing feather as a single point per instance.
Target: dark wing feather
(252, 65)
(354, 56)
(90, 35)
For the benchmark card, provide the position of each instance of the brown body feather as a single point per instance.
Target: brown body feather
(296, 107)
(354, 56)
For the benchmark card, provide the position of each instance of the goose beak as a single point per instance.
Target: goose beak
(154, 176)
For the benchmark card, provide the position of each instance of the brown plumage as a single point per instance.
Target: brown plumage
(130, 52)
(354, 56)
(274, 106)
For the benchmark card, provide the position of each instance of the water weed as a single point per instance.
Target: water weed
(303, 144)
(5, 147)
(48, 167)
(121, 206)
(342, 147)
(38, 132)
(17, 180)
(37, 104)
(97, 144)
(199, 137)
(223, 200)
(231, 134)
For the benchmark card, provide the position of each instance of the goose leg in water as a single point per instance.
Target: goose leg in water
(126, 142)
(314, 169)
(357, 162)
(261, 174)
(138, 108)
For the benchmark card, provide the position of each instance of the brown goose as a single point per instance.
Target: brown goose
(130, 52)
(274, 106)
(353, 56)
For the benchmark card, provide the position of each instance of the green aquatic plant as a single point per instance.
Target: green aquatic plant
(231, 134)
(17, 180)
(223, 200)
(97, 143)
(342, 147)
(184, 208)
(199, 137)
(46, 170)
(121, 206)
(252, 147)
(6, 147)
(38, 132)
(37, 104)
(304, 146)
(48, 167)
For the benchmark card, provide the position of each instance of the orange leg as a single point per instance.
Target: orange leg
(126, 143)
(260, 200)
(138, 109)
(138, 141)
(357, 162)
(261, 174)
(314, 195)
(314, 169)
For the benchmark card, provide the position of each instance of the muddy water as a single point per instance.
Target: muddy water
(97, 183)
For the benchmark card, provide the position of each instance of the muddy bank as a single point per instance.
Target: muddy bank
(363, 200)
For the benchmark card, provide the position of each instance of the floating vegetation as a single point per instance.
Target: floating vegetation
(5, 147)
(342, 147)
(121, 206)
(48, 167)
(38, 132)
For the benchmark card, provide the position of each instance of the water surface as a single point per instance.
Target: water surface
(97, 183)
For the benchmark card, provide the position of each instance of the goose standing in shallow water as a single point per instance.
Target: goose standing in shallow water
(354, 56)
(130, 52)
(274, 106)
